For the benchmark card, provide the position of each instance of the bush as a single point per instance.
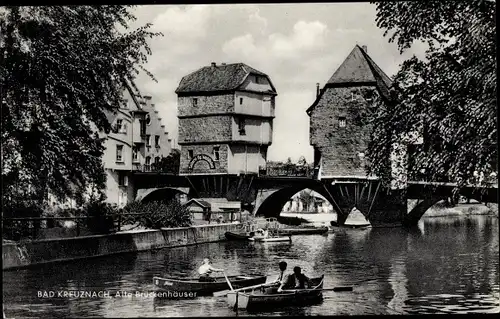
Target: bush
(101, 215)
(17, 230)
(156, 214)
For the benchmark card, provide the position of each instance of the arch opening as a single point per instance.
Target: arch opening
(280, 200)
(165, 194)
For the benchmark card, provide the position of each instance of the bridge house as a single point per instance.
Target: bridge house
(225, 119)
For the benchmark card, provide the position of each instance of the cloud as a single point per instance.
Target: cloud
(187, 22)
(256, 22)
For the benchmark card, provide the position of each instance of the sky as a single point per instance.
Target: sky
(297, 45)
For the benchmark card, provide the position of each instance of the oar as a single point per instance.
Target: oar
(322, 289)
(224, 292)
(228, 282)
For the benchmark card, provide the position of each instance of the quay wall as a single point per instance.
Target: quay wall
(25, 254)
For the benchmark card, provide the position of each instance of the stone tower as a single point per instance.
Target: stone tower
(225, 120)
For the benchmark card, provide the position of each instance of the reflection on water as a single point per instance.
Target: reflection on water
(446, 265)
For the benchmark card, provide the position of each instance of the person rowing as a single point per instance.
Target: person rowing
(206, 269)
(297, 280)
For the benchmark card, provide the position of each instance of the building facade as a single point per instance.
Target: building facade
(137, 141)
(225, 120)
(340, 116)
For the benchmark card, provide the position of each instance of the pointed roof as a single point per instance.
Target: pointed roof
(224, 77)
(358, 68)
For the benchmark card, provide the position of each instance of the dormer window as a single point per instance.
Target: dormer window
(257, 79)
(118, 128)
(195, 101)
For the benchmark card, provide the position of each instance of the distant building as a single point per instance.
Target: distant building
(137, 142)
(225, 119)
(339, 117)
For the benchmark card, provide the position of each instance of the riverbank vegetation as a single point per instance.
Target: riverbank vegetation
(64, 67)
(449, 98)
(156, 215)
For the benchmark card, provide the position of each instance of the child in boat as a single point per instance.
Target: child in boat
(297, 280)
(206, 269)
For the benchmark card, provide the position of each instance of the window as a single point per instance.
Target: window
(216, 153)
(124, 128)
(190, 154)
(148, 140)
(135, 155)
(148, 119)
(257, 79)
(122, 180)
(342, 122)
(157, 140)
(241, 100)
(195, 101)
(147, 163)
(241, 126)
(119, 153)
(119, 124)
(143, 127)
(157, 160)
(148, 160)
(353, 96)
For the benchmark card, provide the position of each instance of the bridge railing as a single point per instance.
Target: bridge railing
(286, 171)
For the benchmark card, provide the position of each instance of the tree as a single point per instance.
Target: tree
(171, 163)
(62, 67)
(449, 98)
(302, 161)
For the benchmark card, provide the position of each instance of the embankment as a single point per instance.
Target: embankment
(24, 254)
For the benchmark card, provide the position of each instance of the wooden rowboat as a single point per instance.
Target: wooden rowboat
(207, 288)
(253, 299)
(237, 236)
(270, 239)
(335, 225)
(303, 231)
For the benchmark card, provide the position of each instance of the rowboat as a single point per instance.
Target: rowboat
(237, 236)
(257, 298)
(303, 231)
(207, 288)
(270, 239)
(352, 226)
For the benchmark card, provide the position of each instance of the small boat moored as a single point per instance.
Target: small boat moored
(201, 288)
(237, 236)
(257, 298)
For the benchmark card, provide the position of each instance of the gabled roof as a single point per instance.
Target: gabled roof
(199, 202)
(358, 67)
(225, 77)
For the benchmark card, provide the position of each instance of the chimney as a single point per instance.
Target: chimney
(365, 48)
(317, 89)
(213, 64)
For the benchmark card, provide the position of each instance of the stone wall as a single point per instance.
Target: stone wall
(17, 255)
(205, 104)
(205, 129)
(340, 147)
(201, 166)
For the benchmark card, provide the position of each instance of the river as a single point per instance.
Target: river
(446, 265)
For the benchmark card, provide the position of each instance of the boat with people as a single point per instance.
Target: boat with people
(263, 235)
(202, 288)
(265, 297)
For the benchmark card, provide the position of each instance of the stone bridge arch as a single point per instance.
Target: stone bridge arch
(270, 202)
(162, 193)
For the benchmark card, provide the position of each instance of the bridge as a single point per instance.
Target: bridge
(268, 193)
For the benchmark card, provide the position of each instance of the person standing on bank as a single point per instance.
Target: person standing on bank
(297, 280)
(206, 269)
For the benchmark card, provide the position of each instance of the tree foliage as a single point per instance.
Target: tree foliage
(171, 163)
(157, 214)
(61, 68)
(449, 98)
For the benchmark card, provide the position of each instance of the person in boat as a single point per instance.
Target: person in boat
(281, 278)
(297, 280)
(206, 269)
